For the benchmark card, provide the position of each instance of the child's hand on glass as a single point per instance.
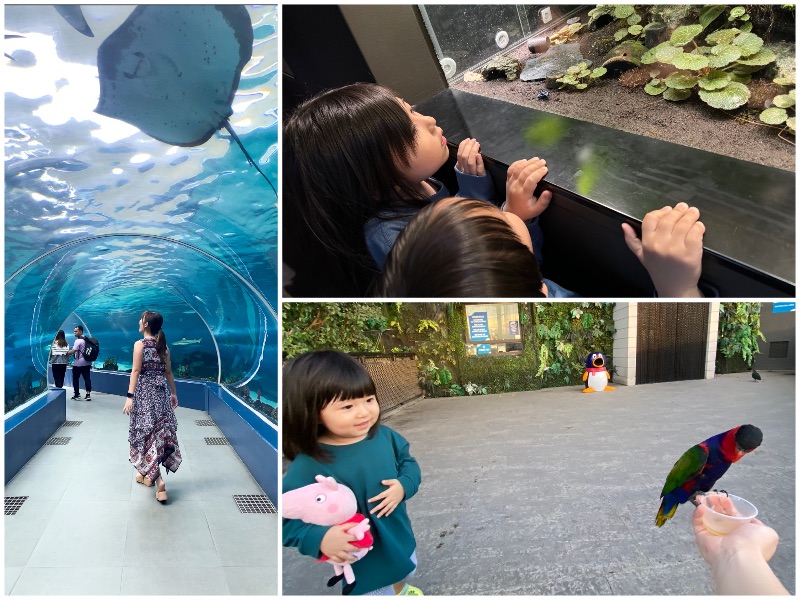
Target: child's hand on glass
(390, 498)
(671, 249)
(521, 180)
(336, 543)
(470, 161)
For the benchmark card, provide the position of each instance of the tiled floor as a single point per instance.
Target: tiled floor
(88, 528)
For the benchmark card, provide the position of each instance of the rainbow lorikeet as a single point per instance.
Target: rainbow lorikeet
(702, 465)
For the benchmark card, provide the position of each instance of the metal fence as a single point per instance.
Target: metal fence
(396, 377)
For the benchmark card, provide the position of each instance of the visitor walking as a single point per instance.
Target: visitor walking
(80, 366)
(58, 358)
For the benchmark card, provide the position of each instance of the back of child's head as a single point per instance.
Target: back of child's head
(311, 381)
(459, 248)
(343, 151)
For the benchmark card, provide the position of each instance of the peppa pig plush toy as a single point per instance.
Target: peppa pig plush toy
(329, 503)
(596, 375)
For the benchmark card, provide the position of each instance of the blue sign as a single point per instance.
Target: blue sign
(513, 328)
(484, 349)
(478, 326)
(779, 307)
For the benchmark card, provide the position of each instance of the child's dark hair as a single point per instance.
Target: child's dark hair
(311, 381)
(456, 248)
(343, 151)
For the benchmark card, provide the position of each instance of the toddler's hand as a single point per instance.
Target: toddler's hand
(390, 498)
(469, 159)
(336, 543)
(521, 181)
(671, 249)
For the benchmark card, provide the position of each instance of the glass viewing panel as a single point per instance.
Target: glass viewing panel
(103, 221)
(464, 36)
(493, 329)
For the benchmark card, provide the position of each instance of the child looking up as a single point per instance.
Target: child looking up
(331, 427)
(359, 163)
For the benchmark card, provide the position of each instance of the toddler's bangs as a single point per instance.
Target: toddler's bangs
(351, 381)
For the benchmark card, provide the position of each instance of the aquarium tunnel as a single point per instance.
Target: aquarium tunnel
(104, 220)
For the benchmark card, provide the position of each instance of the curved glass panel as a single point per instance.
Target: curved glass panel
(104, 221)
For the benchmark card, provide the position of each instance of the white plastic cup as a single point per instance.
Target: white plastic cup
(718, 522)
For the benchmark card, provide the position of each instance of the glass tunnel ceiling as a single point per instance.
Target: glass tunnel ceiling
(104, 221)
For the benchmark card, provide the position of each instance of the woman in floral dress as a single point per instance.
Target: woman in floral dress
(151, 403)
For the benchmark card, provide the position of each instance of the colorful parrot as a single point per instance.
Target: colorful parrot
(702, 465)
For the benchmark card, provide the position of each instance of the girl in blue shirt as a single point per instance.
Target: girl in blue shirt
(359, 163)
(331, 427)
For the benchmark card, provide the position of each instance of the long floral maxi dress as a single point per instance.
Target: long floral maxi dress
(153, 430)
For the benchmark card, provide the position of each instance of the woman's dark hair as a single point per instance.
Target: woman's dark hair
(455, 248)
(311, 381)
(60, 339)
(154, 322)
(343, 151)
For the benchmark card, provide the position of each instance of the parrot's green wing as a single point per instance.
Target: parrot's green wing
(687, 467)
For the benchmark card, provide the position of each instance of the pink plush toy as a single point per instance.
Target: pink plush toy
(329, 503)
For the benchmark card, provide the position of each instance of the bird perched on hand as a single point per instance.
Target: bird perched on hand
(756, 375)
(702, 465)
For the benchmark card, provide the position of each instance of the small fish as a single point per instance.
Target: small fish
(185, 342)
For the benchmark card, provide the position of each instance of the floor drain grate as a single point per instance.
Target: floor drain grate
(215, 441)
(204, 423)
(254, 503)
(14, 503)
(58, 441)
(71, 423)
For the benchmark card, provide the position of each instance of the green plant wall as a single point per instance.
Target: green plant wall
(738, 335)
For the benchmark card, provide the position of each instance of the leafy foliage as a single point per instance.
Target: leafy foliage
(110, 364)
(349, 327)
(778, 113)
(719, 70)
(627, 20)
(565, 34)
(739, 330)
(580, 76)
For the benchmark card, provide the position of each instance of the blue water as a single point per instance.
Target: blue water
(119, 222)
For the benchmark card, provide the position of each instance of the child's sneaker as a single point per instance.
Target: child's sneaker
(410, 590)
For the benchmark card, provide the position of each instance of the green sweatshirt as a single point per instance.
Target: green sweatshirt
(361, 467)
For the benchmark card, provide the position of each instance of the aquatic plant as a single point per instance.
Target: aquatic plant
(628, 21)
(777, 114)
(565, 34)
(580, 76)
(110, 364)
(719, 71)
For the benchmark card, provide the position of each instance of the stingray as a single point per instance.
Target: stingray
(173, 71)
(73, 15)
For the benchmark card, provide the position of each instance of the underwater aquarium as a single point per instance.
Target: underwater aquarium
(141, 164)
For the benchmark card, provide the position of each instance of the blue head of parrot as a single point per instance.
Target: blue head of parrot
(595, 360)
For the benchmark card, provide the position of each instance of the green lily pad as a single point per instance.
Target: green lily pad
(654, 89)
(676, 95)
(715, 80)
(635, 29)
(723, 55)
(746, 27)
(574, 70)
(634, 19)
(774, 116)
(731, 96)
(722, 36)
(762, 58)
(741, 77)
(791, 94)
(750, 43)
(736, 12)
(599, 72)
(690, 61)
(784, 80)
(667, 53)
(581, 86)
(621, 33)
(685, 34)
(623, 11)
(709, 13)
(783, 101)
(681, 80)
(790, 123)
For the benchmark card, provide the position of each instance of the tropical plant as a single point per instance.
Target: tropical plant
(579, 76)
(628, 21)
(720, 70)
(777, 114)
(739, 330)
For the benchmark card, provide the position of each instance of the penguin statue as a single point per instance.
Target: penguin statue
(596, 375)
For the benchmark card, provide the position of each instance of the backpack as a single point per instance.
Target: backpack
(91, 349)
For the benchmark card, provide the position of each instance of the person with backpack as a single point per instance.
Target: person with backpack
(81, 366)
